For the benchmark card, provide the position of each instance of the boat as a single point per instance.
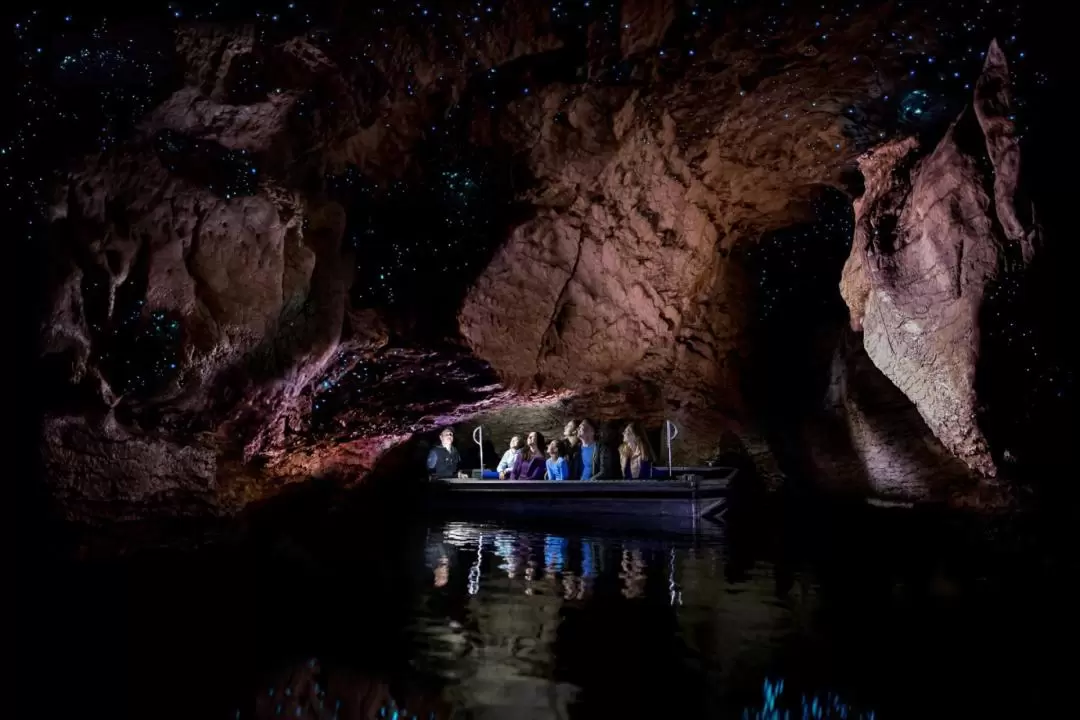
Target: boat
(692, 496)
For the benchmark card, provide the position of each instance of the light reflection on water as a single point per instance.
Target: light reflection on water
(334, 622)
(538, 625)
(528, 596)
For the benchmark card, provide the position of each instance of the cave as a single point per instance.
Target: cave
(273, 254)
(294, 251)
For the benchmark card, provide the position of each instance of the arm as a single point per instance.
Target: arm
(607, 464)
(432, 459)
(505, 462)
(564, 469)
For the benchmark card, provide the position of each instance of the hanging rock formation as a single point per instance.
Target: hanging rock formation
(935, 237)
(213, 243)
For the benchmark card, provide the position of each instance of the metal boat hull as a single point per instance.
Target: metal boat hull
(669, 504)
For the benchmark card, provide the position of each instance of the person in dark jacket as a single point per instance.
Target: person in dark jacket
(572, 439)
(606, 462)
(597, 460)
(444, 460)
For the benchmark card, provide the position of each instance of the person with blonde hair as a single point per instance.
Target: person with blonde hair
(636, 456)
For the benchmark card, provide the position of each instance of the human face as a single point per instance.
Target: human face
(447, 438)
(553, 449)
(515, 442)
(586, 433)
(628, 436)
(570, 430)
(532, 442)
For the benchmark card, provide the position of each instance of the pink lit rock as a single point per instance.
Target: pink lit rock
(931, 239)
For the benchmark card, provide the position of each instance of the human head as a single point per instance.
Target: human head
(635, 439)
(515, 442)
(586, 432)
(536, 442)
(553, 449)
(570, 430)
(446, 437)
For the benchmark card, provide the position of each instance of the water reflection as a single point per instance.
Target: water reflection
(487, 621)
(548, 620)
(775, 706)
(315, 691)
(632, 574)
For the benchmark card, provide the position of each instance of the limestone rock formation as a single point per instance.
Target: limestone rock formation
(872, 440)
(935, 235)
(204, 295)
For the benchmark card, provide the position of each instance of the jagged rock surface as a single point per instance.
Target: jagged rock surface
(872, 440)
(622, 290)
(935, 236)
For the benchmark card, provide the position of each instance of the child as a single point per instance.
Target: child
(558, 467)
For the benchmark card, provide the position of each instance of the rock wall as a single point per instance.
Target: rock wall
(204, 301)
(935, 236)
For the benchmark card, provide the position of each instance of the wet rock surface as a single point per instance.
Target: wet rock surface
(249, 286)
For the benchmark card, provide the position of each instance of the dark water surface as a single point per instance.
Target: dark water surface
(855, 613)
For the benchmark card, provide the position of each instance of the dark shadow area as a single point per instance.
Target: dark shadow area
(907, 608)
(798, 314)
(226, 173)
(204, 628)
(419, 244)
(1030, 368)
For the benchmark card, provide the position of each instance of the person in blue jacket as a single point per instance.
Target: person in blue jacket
(558, 465)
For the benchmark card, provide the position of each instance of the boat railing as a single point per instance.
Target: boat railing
(670, 433)
(478, 438)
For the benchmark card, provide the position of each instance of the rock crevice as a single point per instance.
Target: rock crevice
(251, 330)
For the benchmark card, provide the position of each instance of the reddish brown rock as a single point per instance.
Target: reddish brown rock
(643, 197)
(623, 294)
(872, 441)
(931, 240)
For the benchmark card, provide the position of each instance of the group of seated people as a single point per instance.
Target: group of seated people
(578, 455)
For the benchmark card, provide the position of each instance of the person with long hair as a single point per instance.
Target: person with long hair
(530, 463)
(636, 456)
(605, 463)
(558, 466)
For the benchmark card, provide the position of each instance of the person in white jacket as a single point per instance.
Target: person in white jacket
(508, 458)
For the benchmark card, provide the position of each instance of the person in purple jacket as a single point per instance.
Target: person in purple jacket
(530, 464)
